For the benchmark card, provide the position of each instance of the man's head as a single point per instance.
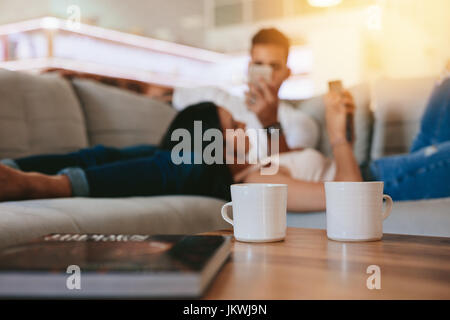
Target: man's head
(271, 47)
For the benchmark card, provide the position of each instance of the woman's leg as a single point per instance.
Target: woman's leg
(19, 185)
(52, 176)
(435, 124)
(423, 174)
(155, 175)
(84, 158)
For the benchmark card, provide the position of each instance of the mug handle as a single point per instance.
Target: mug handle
(224, 212)
(389, 204)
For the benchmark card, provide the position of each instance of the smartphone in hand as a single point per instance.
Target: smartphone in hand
(255, 73)
(336, 86)
(258, 71)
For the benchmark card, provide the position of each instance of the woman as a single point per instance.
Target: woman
(147, 170)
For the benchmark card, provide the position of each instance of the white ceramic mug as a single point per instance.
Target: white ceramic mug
(259, 211)
(355, 210)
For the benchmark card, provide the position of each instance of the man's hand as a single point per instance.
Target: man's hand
(262, 99)
(337, 106)
(164, 94)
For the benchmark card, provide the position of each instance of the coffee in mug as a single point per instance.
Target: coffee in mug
(259, 211)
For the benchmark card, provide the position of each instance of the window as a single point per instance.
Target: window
(228, 13)
(266, 9)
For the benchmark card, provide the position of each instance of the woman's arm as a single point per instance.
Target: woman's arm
(337, 106)
(347, 168)
(303, 196)
(306, 196)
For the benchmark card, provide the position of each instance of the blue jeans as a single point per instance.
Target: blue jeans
(424, 173)
(133, 171)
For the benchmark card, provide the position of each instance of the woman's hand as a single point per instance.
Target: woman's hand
(337, 105)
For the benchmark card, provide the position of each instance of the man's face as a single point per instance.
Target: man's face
(275, 57)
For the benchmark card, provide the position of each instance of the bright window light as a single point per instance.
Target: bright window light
(50, 23)
(374, 17)
(323, 3)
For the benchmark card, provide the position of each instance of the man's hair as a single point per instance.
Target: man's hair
(271, 36)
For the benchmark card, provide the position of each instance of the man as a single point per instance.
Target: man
(261, 107)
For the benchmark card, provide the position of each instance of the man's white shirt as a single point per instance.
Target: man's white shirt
(300, 130)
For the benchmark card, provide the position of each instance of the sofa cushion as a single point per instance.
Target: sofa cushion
(38, 114)
(119, 118)
(24, 220)
(398, 105)
(363, 121)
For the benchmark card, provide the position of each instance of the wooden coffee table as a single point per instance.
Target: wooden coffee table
(309, 266)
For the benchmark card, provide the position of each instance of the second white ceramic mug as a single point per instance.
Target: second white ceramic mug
(259, 211)
(355, 210)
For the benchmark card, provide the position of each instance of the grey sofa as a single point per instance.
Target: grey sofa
(48, 114)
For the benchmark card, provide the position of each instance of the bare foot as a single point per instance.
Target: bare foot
(18, 185)
(12, 184)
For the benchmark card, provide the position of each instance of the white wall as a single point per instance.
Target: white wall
(335, 41)
(172, 20)
(414, 41)
(18, 10)
(180, 21)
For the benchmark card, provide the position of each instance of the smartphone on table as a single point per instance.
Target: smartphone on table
(336, 86)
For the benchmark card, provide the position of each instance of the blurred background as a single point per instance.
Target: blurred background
(206, 42)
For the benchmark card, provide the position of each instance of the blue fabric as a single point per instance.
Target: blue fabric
(424, 173)
(78, 181)
(133, 171)
(158, 175)
(51, 164)
(435, 123)
(10, 163)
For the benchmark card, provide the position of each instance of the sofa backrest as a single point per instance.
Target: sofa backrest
(38, 114)
(41, 114)
(119, 118)
(44, 114)
(398, 107)
(363, 121)
(387, 117)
